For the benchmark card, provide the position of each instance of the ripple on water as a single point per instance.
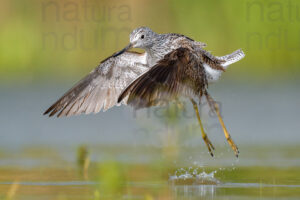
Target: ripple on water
(192, 176)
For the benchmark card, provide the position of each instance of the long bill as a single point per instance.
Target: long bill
(123, 50)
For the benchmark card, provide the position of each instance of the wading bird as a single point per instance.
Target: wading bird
(172, 66)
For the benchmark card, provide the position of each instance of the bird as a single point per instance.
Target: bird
(172, 66)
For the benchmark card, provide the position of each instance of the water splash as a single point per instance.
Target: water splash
(193, 176)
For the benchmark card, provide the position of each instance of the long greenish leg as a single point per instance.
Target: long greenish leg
(204, 136)
(213, 105)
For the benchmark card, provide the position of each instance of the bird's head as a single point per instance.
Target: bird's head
(141, 37)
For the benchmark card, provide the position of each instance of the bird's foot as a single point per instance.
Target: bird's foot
(233, 146)
(209, 145)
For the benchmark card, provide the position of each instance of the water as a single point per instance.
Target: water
(192, 176)
(145, 156)
(141, 182)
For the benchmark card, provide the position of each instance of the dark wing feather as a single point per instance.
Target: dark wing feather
(178, 73)
(211, 60)
(101, 88)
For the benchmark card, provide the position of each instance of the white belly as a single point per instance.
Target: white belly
(212, 74)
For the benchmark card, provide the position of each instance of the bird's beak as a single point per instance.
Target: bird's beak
(123, 50)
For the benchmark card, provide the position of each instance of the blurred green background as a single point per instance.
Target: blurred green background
(48, 45)
(66, 39)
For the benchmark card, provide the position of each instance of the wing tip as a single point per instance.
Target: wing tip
(241, 53)
(48, 111)
(232, 58)
(120, 98)
(52, 110)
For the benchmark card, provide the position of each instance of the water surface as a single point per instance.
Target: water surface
(144, 155)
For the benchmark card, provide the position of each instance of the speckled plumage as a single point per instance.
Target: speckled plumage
(100, 89)
(173, 65)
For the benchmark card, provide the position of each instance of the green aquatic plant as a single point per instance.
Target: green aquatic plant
(83, 160)
(111, 178)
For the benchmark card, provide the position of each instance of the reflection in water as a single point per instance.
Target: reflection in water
(208, 191)
(190, 182)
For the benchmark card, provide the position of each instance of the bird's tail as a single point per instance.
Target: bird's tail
(231, 58)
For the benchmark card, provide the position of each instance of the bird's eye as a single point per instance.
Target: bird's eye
(142, 37)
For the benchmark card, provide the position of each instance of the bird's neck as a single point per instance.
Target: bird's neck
(153, 56)
(158, 50)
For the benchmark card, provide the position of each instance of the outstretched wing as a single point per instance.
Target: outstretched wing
(100, 89)
(178, 73)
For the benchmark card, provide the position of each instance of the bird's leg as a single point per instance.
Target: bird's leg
(214, 106)
(204, 136)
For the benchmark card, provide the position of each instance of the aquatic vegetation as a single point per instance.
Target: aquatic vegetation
(111, 178)
(12, 190)
(83, 160)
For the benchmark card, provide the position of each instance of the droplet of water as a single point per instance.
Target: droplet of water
(192, 176)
